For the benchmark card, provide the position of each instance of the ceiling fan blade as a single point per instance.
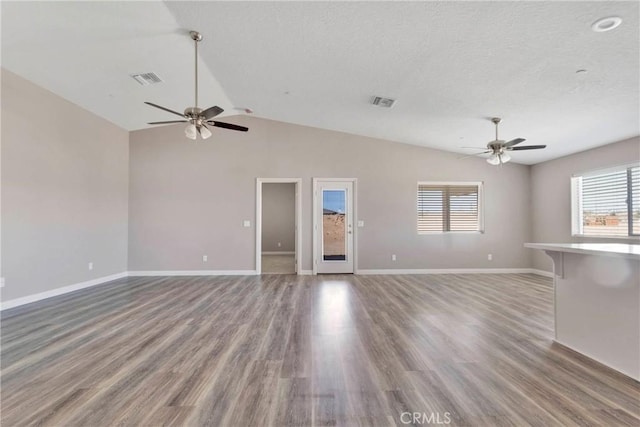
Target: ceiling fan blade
(475, 148)
(227, 126)
(166, 123)
(514, 142)
(474, 155)
(210, 113)
(527, 147)
(165, 109)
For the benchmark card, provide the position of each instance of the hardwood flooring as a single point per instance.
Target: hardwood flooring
(288, 350)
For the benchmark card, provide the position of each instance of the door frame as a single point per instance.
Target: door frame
(298, 219)
(314, 228)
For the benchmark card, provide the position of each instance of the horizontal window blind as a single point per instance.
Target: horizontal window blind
(605, 194)
(609, 203)
(448, 208)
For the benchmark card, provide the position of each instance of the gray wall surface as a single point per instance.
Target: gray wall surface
(278, 217)
(551, 194)
(74, 186)
(64, 191)
(188, 199)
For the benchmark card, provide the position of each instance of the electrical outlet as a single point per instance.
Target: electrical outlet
(246, 223)
(490, 257)
(205, 258)
(360, 223)
(91, 266)
(393, 257)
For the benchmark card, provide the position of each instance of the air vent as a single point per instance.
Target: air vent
(147, 78)
(383, 102)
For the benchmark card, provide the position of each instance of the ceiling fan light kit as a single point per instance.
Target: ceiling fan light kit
(191, 132)
(498, 159)
(196, 118)
(494, 160)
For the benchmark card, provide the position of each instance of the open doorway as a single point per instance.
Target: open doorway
(277, 226)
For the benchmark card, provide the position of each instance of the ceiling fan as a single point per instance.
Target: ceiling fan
(499, 148)
(197, 118)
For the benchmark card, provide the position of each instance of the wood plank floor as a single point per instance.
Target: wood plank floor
(284, 350)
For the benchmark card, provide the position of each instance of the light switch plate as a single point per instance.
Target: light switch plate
(246, 223)
(360, 223)
(1, 282)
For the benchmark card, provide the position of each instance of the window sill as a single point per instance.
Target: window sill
(589, 236)
(432, 233)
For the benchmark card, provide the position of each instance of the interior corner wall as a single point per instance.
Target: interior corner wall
(188, 198)
(64, 192)
(551, 194)
(278, 217)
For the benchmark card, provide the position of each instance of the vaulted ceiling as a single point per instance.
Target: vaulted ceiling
(450, 65)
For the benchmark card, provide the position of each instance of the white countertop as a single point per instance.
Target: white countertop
(605, 249)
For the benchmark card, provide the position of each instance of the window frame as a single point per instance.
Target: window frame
(577, 224)
(478, 184)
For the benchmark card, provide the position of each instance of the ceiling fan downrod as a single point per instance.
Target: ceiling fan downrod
(496, 121)
(197, 37)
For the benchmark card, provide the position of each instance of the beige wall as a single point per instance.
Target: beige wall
(188, 199)
(551, 193)
(64, 191)
(278, 217)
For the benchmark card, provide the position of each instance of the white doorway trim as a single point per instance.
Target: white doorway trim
(315, 221)
(298, 216)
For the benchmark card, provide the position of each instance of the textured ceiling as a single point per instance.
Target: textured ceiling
(451, 65)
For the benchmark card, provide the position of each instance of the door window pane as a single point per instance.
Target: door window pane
(334, 227)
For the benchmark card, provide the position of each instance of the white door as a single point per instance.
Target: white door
(334, 226)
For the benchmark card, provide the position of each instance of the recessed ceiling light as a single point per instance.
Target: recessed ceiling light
(606, 24)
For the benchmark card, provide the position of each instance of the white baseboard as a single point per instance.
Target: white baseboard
(278, 253)
(59, 291)
(305, 272)
(194, 273)
(451, 271)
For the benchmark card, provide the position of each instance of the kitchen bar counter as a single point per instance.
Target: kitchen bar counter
(597, 301)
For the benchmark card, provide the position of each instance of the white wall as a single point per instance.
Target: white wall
(188, 199)
(551, 194)
(278, 217)
(64, 192)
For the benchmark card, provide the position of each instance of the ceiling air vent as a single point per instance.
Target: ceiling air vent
(147, 78)
(383, 102)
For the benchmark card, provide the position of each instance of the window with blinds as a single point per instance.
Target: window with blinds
(449, 207)
(607, 203)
